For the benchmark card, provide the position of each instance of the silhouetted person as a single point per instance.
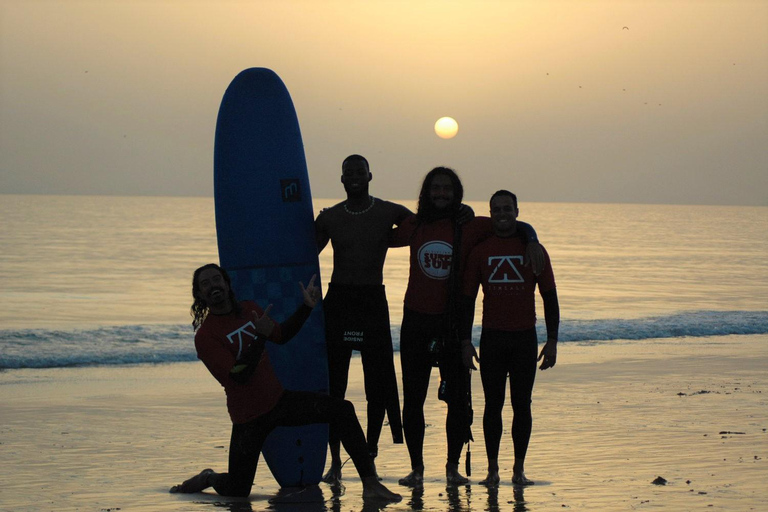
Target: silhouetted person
(508, 344)
(431, 236)
(356, 308)
(230, 340)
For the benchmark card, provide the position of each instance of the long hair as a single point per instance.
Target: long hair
(426, 211)
(199, 308)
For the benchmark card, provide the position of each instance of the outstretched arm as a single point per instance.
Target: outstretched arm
(267, 329)
(293, 324)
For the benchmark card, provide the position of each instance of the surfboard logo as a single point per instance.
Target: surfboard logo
(290, 190)
(435, 259)
(505, 269)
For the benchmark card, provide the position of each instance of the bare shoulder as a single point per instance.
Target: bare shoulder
(395, 211)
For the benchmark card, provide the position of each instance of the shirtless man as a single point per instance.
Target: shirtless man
(356, 309)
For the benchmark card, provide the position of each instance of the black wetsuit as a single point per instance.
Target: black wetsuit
(513, 354)
(416, 332)
(357, 318)
(293, 409)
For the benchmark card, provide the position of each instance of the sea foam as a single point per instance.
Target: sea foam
(141, 344)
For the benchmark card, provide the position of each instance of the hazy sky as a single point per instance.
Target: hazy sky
(598, 101)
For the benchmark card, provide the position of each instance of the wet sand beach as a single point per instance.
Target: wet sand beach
(608, 420)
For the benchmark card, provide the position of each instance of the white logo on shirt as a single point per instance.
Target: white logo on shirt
(505, 266)
(241, 335)
(435, 259)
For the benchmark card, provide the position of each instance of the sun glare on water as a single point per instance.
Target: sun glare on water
(446, 127)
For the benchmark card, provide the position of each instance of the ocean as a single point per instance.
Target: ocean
(102, 280)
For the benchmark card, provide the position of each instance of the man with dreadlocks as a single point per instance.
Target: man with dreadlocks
(230, 340)
(437, 246)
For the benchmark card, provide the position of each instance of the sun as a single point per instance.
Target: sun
(446, 127)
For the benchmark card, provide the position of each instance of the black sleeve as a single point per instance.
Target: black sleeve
(527, 229)
(292, 325)
(245, 366)
(466, 317)
(551, 313)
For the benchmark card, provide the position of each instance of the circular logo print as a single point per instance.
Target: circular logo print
(435, 259)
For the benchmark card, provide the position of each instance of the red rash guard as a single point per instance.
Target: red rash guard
(431, 247)
(509, 303)
(219, 342)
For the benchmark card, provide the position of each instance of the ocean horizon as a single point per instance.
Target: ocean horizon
(106, 280)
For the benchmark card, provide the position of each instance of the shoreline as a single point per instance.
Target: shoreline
(608, 419)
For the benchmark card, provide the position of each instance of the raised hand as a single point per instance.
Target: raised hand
(311, 293)
(262, 323)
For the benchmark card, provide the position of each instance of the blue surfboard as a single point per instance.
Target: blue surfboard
(266, 238)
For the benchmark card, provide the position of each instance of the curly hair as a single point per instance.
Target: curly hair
(199, 308)
(426, 211)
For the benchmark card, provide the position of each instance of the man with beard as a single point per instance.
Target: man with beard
(230, 340)
(356, 308)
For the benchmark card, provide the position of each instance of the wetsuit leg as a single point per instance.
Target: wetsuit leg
(302, 408)
(339, 354)
(378, 367)
(244, 451)
(522, 377)
(457, 422)
(374, 394)
(416, 367)
(493, 373)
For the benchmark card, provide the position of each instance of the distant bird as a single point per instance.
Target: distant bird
(625, 28)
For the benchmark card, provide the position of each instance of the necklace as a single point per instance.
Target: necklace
(373, 200)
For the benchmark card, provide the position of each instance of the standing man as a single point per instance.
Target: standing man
(432, 236)
(230, 340)
(356, 309)
(508, 344)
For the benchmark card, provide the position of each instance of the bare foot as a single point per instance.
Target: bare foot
(520, 479)
(414, 479)
(333, 476)
(373, 489)
(492, 480)
(452, 475)
(195, 484)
